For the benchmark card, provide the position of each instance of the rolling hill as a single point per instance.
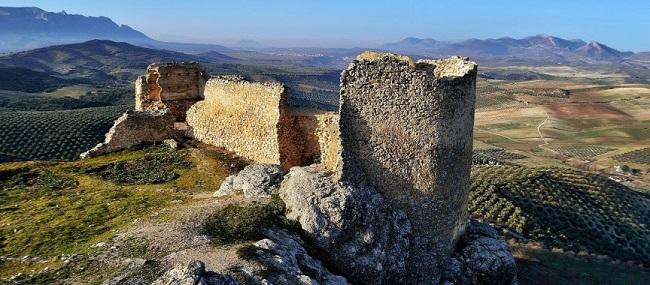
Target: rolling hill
(25, 80)
(25, 28)
(32, 27)
(98, 60)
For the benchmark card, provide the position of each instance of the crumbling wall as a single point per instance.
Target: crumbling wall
(133, 128)
(249, 118)
(175, 86)
(406, 129)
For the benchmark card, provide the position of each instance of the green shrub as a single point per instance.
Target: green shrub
(157, 166)
(28, 178)
(236, 223)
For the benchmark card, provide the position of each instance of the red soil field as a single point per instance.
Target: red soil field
(571, 111)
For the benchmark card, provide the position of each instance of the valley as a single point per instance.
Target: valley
(560, 164)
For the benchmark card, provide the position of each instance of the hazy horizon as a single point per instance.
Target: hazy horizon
(290, 23)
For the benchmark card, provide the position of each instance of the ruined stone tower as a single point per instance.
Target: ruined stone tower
(406, 129)
(175, 86)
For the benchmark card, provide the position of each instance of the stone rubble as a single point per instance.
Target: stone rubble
(481, 258)
(133, 128)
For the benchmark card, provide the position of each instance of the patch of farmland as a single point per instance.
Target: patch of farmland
(496, 101)
(640, 156)
(494, 156)
(53, 135)
(564, 208)
(582, 151)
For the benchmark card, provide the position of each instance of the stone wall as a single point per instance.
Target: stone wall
(248, 118)
(133, 128)
(406, 129)
(175, 86)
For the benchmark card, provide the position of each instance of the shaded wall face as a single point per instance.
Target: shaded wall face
(242, 117)
(409, 134)
(316, 139)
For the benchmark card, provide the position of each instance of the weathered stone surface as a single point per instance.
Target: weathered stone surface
(406, 129)
(289, 263)
(194, 274)
(252, 120)
(175, 86)
(248, 118)
(255, 180)
(133, 128)
(481, 258)
(355, 228)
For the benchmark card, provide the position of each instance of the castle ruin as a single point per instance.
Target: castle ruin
(403, 127)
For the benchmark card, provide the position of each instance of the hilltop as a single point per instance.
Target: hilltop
(99, 60)
(32, 27)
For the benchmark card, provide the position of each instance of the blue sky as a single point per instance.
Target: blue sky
(622, 24)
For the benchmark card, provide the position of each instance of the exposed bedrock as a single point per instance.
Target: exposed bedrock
(481, 258)
(254, 181)
(358, 233)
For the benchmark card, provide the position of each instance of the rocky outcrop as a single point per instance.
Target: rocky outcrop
(406, 130)
(194, 274)
(289, 263)
(256, 180)
(355, 228)
(133, 128)
(481, 258)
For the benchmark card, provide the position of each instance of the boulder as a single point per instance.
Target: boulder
(356, 230)
(194, 274)
(256, 180)
(289, 263)
(171, 143)
(481, 258)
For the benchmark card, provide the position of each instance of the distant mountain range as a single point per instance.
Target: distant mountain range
(27, 28)
(542, 49)
(31, 27)
(23, 28)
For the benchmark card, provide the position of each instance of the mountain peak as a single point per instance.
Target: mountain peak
(595, 49)
(32, 27)
(411, 44)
